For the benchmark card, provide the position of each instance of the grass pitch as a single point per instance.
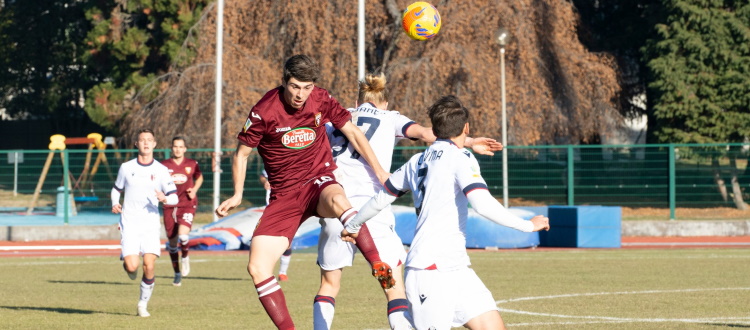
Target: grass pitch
(558, 289)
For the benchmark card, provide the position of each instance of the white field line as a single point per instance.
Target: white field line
(687, 244)
(59, 247)
(592, 319)
(538, 324)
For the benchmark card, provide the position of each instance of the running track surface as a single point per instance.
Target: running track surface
(112, 247)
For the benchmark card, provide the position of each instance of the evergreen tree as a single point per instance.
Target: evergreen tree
(621, 29)
(699, 67)
(699, 90)
(130, 44)
(41, 76)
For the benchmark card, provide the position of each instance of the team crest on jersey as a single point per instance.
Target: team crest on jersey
(188, 169)
(318, 117)
(247, 125)
(298, 138)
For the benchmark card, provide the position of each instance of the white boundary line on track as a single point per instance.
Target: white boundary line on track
(59, 247)
(607, 319)
(686, 244)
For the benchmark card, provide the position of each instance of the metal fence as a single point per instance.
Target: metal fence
(659, 176)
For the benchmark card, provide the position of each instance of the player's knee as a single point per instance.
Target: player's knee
(148, 267)
(184, 239)
(131, 267)
(331, 288)
(253, 270)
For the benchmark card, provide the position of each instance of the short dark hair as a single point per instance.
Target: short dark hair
(448, 117)
(144, 130)
(302, 68)
(179, 137)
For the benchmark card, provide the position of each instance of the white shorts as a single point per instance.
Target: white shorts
(139, 240)
(445, 299)
(333, 253)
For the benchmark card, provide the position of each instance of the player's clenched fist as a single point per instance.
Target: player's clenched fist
(228, 205)
(540, 223)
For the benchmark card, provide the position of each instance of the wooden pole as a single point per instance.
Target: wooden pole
(39, 184)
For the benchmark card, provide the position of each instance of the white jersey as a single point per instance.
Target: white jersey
(439, 178)
(140, 207)
(383, 129)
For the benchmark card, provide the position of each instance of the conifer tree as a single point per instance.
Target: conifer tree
(699, 90)
(131, 42)
(700, 72)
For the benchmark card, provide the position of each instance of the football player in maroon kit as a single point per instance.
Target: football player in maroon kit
(287, 126)
(178, 219)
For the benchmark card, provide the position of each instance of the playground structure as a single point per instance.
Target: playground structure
(59, 143)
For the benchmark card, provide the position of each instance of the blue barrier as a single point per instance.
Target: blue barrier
(583, 226)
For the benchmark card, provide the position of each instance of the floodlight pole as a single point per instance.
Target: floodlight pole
(361, 40)
(502, 38)
(217, 105)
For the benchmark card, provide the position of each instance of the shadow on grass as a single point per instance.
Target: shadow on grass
(61, 310)
(190, 278)
(730, 325)
(89, 282)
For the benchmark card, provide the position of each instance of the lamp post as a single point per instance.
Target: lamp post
(217, 103)
(502, 36)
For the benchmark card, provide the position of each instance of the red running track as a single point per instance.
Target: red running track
(112, 247)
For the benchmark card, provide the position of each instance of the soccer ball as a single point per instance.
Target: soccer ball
(421, 21)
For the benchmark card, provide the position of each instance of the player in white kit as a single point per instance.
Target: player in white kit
(441, 288)
(383, 129)
(146, 183)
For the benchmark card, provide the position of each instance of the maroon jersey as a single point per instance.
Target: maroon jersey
(184, 176)
(293, 142)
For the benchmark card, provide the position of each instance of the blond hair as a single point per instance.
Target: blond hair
(372, 89)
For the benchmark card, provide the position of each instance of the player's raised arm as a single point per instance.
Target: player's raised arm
(486, 205)
(239, 168)
(360, 143)
(481, 145)
(417, 131)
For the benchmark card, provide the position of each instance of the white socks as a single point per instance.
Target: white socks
(323, 310)
(284, 265)
(147, 288)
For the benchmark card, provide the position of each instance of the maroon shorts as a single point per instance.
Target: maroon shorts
(175, 216)
(287, 210)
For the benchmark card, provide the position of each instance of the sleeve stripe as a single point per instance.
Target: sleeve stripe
(116, 188)
(391, 190)
(171, 192)
(405, 128)
(474, 186)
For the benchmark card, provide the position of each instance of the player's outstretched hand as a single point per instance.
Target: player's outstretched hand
(117, 209)
(228, 205)
(540, 223)
(348, 237)
(485, 146)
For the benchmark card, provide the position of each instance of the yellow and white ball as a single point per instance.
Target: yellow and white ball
(421, 21)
